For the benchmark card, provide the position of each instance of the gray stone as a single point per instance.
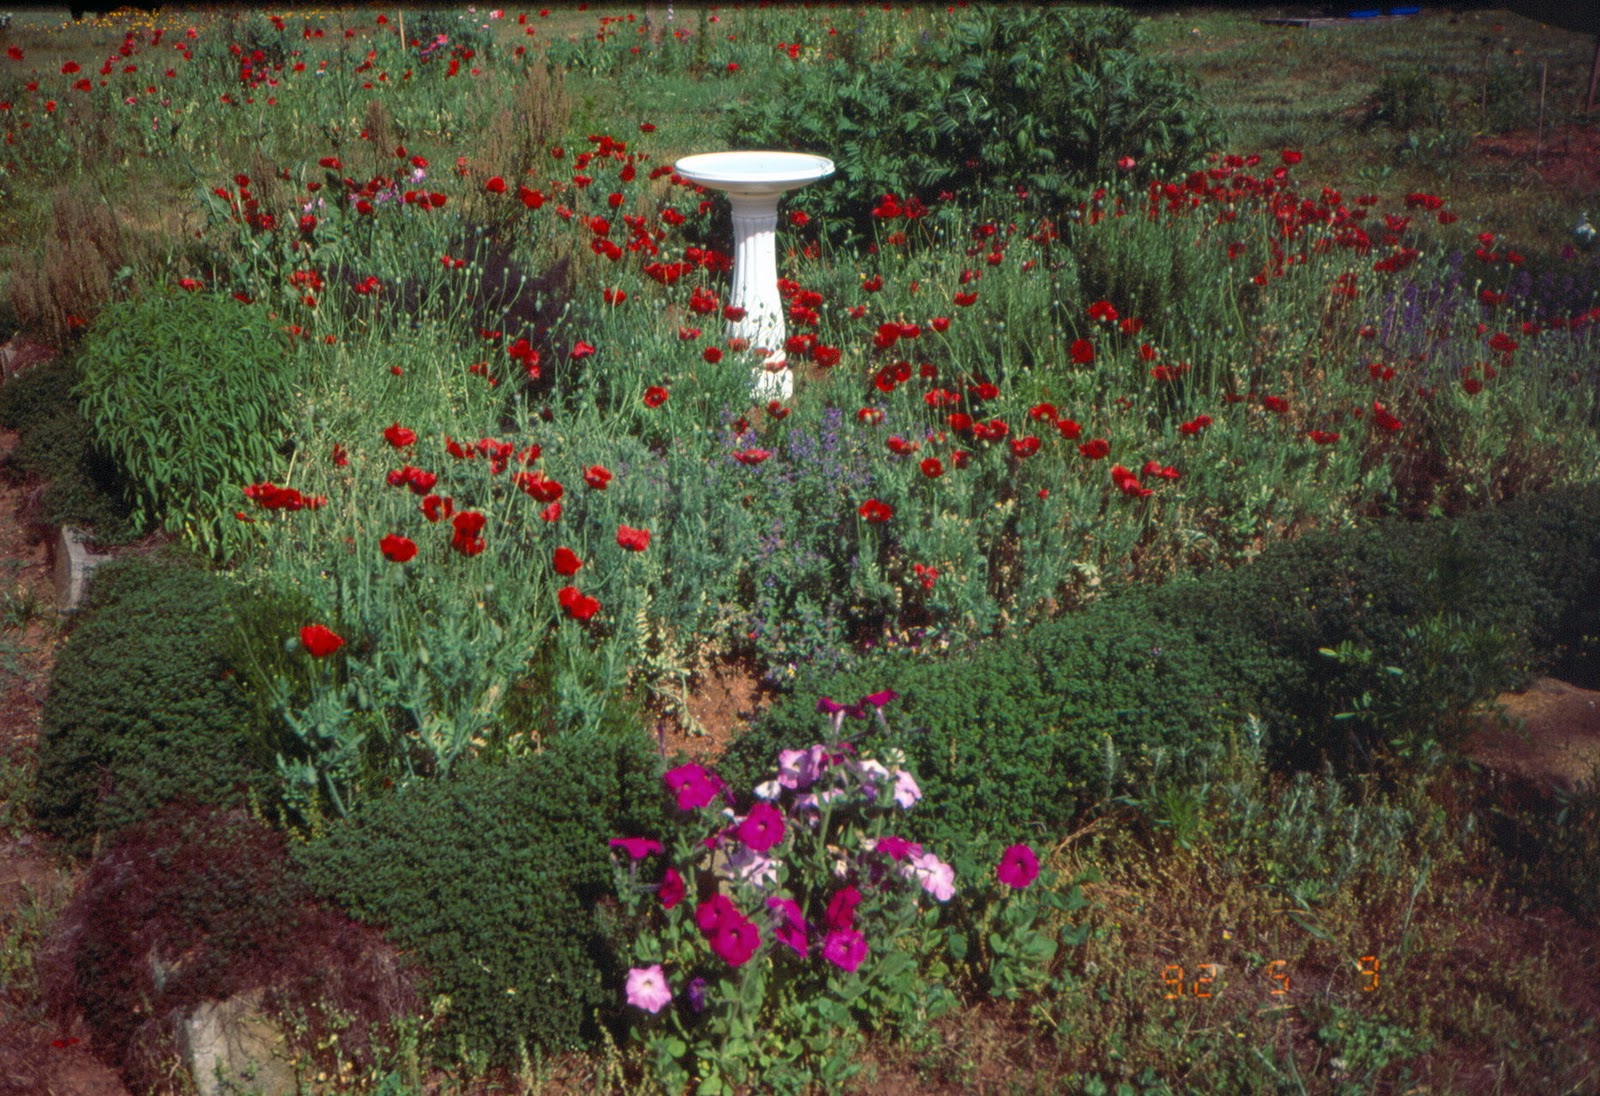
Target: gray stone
(233, 1047)
(74, 564)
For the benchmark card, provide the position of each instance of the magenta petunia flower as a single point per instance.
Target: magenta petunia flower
(845, 949)
(789, 925)
(735, 942)
(841, 912)
(647, 988)
(762, 828)
(693, 785)
(672, 889)
(1018, 867)
(896, 848)
(637, 848)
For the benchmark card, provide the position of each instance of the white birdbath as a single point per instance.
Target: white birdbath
(753, 182)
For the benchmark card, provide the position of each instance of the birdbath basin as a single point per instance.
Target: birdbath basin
(754, 181)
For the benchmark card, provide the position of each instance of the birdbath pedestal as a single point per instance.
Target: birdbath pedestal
(753, 182)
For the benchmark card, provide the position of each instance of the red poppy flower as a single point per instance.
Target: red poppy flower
(597, 476)
(712, 354)
(581, 349)
(1095, 448)
(399, 437)
(468, 524)
(1025, 446)
(319, 641)
(566, 562)
(932, 468)
(1042, 412)
(655, 396)
(875, 512)
(1069, 429)
(1276, 404)
(1082, 351)
(1102, 310)
(751, 456)
(434, 507)
(538, 485)
(1322, 437)
(398, 549)
(578, 606)
(70, 67)
(1384, 418)
(634, 540)
(495, 185)
(869, 415)
(966, 300)
(1128, 483)
(1195, 425)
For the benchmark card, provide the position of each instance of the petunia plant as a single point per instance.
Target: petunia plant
(767, 933)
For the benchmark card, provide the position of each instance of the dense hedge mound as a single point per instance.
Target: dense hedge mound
(491, 875)
(55, 443)
(1338, 643)
(145, 706)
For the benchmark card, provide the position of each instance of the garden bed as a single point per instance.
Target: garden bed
(1081, 669)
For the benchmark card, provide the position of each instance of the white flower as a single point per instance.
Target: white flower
(936, 877)
(906, 791)
(769, 791)
(647, 988)
(746, 864)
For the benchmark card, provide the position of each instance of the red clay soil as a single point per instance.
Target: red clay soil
(1568, 159)
(1546, 738)
(36, 1058)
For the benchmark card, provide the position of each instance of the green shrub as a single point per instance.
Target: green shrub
(490, 876)
(191, 395)
(1407, 99)
(1429, 618)
(145, 707)
(55, 444)
(1043, 100)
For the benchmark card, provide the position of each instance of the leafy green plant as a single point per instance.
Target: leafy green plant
(1407, 99)
(985, 104)
(490, 878)
(191, 393)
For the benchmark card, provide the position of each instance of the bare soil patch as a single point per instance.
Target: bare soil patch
(1568, 158)
(1547, 737)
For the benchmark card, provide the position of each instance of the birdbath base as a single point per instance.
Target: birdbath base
(754, 181)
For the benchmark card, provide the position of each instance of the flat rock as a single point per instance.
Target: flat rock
(1547, 736)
